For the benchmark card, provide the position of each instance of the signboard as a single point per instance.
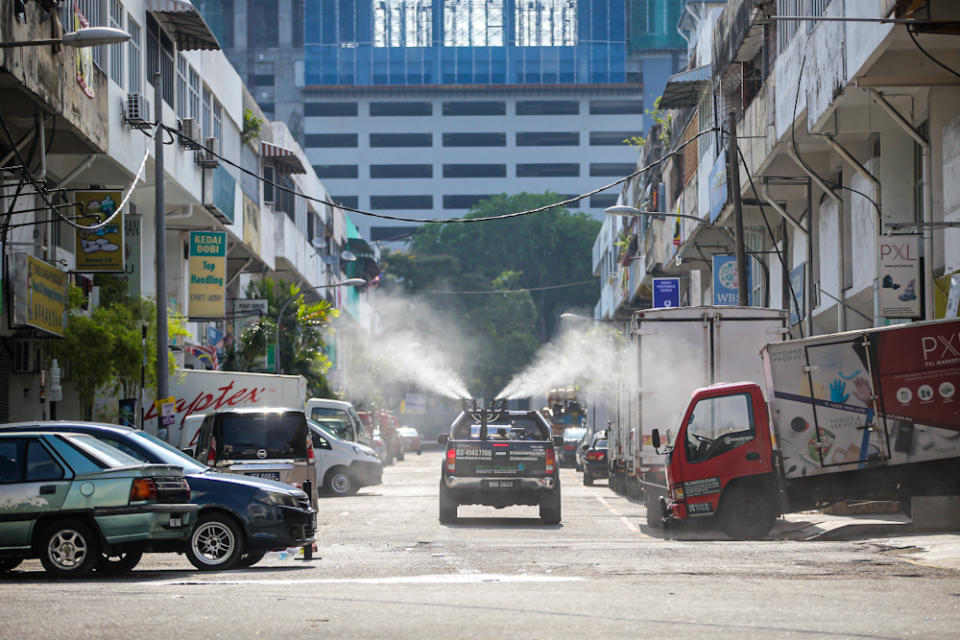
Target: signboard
(251, 224)
(666, 292)
(717, 183)
(40, 295)
(127, 411)
(131, 253)
(798, 283)
(219, 188)
(725, 290)
(99, 250)
(953, 298)
(208, 274)
(168, 411)
(900, 276)
(246, 313)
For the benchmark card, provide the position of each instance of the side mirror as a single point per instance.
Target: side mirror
(558, 441)
(189, 452)
(655, 438)
(442, 439)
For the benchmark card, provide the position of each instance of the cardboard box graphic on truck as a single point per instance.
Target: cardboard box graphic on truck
(871, 414)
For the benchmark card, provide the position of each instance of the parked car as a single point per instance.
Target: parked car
(595, 460)
(260, 442)
(411, 439)
(343, 467)
(241, 518)
(380, 447)
(71, 500)
(584, 444)
(567, 452)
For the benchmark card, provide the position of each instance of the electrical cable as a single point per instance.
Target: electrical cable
(504, 216)
(499, 291)
(926, 53)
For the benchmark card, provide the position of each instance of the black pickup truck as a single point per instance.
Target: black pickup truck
(499, 459)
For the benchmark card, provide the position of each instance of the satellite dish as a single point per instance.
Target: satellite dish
(318, 242)
(347, 256)
(329, 259)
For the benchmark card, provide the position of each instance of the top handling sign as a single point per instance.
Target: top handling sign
(208, 273)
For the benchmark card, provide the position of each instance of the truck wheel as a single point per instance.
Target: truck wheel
(69, 549)
(448, 506)
(654, 516)
(587, 479)
(746, 515)
(339, 482)
(550, 507)
(634, 489)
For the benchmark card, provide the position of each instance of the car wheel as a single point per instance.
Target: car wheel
(216, 543)
(6, 564)
(119, 564)
(251, 558)
(448, 506)
(69, 548)
(550, 507)
(746, 515)
(587, 479)
(400, 453)
(339, 482)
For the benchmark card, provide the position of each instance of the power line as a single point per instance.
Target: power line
(500, 291)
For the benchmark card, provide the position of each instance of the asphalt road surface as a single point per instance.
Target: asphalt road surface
(388, 569)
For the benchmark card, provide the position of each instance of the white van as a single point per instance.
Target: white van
(343, 466)
(339, 418)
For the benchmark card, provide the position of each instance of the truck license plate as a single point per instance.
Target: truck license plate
(501, 484)
(176, 521)
(269, 475)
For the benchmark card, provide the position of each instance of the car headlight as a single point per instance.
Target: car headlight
(363, 452)
(276, 499)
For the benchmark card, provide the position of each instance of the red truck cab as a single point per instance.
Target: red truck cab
(722, 462)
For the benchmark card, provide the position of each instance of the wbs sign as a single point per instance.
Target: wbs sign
(725, 290)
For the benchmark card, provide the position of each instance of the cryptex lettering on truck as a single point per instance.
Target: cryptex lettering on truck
(500, 459)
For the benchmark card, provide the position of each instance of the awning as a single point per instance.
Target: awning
(359, 247)
(684, 88)
(184, 22)
(285, 160)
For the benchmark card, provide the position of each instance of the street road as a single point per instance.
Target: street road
(387, 568)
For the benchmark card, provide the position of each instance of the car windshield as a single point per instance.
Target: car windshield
(333, 420)
(520, 427)
(110, 456)
(600, 444)
(279, 434)
(167, 454)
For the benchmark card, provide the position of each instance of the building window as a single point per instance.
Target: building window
(616, 107)
(610, 138)
(549, 170)
(207, 112)
(548, 139)
(618, 169)
(401, 171)
(402, 23)
(348, 201)
(331, 140)
(401, 202)
(160, 58)
(263, 80)
(194, 94)
(462, 202)
(474, 139)
(548, 108)
(330, 109)
(603, 200)
(481, 108)
(296, 26)
(473, 23)
(335, 170)
(263, 23)
(133, 56)
(546, 23)
(218, 122)
(218, 14)
(116, 50)
(400, 109)
(90, 9)
(401, 139)
(474, 171)
(183, 96)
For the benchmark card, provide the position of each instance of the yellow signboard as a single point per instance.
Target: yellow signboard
(40, 295)
(208, 274)
(101, 249)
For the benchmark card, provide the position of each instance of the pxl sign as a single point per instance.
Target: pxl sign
(666, 292)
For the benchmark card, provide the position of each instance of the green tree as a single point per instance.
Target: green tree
(303, 330)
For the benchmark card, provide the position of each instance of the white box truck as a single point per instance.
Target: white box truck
(677, 350)
(201, 392)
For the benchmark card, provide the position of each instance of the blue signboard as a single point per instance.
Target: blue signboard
(725, 291)
(717, 182)
(666, 292)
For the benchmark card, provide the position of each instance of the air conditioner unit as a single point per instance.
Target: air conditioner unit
(190, 133)
(207, 158)
(136, 111)
(23, 360)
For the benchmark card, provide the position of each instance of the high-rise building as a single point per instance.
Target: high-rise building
(420, 108)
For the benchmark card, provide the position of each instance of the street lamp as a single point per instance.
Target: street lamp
(633, 212)
(88, 37)
(351, 282)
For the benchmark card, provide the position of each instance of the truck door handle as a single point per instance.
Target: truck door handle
(48, 489)
(753, 455)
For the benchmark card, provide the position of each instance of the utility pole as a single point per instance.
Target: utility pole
(160, 245)
(733, 164)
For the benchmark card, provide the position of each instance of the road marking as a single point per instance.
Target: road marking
(451, 578)
(622, 517)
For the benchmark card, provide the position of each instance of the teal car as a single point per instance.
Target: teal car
(77, 504)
